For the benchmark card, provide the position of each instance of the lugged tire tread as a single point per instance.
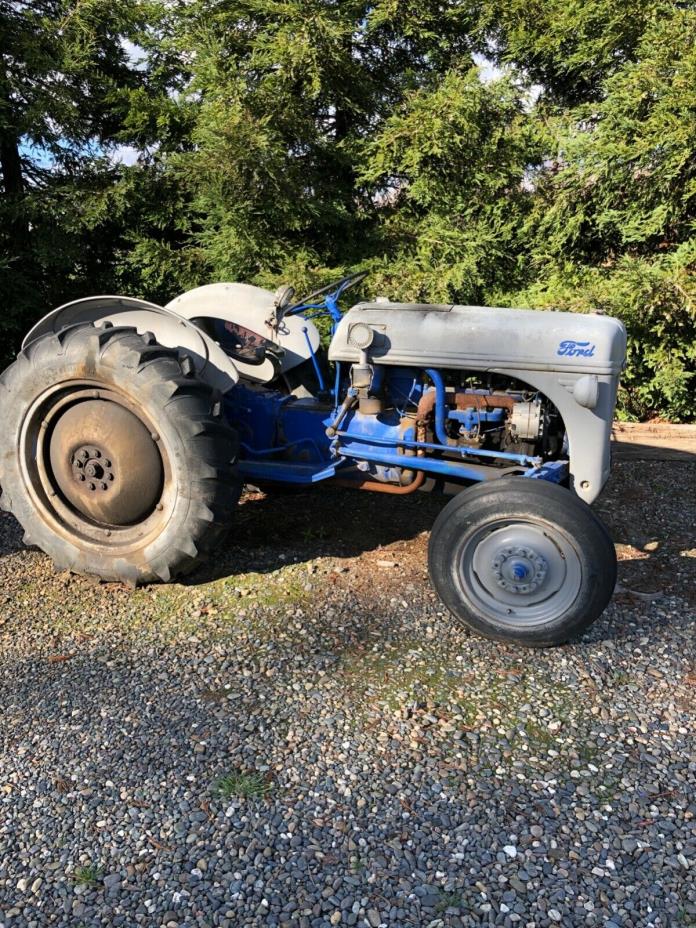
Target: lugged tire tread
(212, 441)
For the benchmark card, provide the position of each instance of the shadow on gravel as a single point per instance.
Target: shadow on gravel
(324, 522)
(10, 535)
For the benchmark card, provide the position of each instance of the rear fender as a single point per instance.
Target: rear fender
(169, 328)
(252, 308)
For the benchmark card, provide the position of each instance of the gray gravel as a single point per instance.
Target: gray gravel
(300, 737)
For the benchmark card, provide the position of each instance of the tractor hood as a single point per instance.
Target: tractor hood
(482, 338)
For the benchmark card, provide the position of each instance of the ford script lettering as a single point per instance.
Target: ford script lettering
(573, 349)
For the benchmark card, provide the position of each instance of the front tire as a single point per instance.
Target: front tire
(114, 456)
(522, 561)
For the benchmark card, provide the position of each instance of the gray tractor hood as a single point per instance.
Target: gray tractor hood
(574, 360)
(484, 338)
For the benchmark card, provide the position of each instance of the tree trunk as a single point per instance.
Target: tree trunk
(13, 184)
(11, 165)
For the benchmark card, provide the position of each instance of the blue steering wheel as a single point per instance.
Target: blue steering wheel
(326, 298)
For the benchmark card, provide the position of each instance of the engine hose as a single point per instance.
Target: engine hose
(375, 486)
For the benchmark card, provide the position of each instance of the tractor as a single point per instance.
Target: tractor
(130, 428)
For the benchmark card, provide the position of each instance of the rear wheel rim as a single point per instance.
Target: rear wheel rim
(82, 429)
(519, 573)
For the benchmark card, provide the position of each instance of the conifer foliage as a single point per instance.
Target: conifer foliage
(477, 151)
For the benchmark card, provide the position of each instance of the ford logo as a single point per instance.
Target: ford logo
(572, 349)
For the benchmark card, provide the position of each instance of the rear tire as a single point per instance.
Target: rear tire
(114, 456)
(522, 561)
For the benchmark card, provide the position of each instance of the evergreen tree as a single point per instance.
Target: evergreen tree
(291, 139)
(64, 68)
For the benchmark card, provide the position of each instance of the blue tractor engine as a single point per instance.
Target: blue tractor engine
(393, 426)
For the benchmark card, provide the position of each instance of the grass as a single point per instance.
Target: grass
(243, 785)
(448, 901)
(173, 611)
(87, 875)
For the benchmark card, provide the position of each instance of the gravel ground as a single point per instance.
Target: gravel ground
(300, 737)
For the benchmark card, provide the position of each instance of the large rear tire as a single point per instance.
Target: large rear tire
(114, 456)
(522, 561)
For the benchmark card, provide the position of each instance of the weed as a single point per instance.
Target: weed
(87, 875)
(448, 901)
(244, 785)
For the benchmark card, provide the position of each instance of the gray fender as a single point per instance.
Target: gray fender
(169, 328)
(252, 308)
(588, 429)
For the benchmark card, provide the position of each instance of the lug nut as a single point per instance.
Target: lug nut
(97, 453)
(84, 454)
(109, 476)
(104, 486)
(92, 486)
(107, 463)
(81, 477)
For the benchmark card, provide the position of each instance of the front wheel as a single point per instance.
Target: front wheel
(522, 561)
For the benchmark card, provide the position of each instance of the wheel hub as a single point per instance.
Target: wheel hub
(519, 569)
(93, 467)
(106, 462)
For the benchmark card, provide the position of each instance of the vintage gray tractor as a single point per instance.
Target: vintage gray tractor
(129, 429)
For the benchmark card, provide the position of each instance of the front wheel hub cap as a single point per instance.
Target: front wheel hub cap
(519, 569)
(105, 462)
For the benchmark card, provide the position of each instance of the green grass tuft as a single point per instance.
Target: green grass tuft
(243, 785)
(87, 875)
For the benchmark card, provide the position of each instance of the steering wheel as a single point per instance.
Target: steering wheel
(336, 289)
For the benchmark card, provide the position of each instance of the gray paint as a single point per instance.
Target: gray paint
(170, 330)
(536, 347)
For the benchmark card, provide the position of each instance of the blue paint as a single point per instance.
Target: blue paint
(553, 471)
(284, 438)
(313, 356)
(471, 419)
(282, 472)
(370, 438)
(429, 465)
(440, 405)
(574, 349)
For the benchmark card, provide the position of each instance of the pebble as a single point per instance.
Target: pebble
(345, 754)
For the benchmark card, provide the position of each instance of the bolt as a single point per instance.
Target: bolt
(109, 476)
(105, 486)
(107, 532)
(79, 464)
(154, 436)
(92, 486)
(84, 454)
(107, 462)
(159, 507)
(81, 477)
(97, 453)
